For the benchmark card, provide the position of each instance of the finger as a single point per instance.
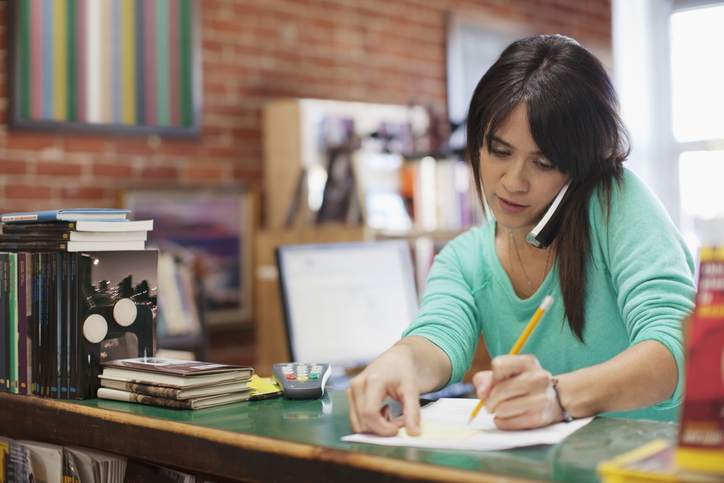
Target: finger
(528, 420)
(369, 407)
(353, 420)
(507, 366)
(529, 382)
(514, 407)
(410, 399)
(483, 382)
(504, 391)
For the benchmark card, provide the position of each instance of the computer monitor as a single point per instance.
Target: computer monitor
(346, 303)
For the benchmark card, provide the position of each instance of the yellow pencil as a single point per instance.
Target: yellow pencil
(544, 305)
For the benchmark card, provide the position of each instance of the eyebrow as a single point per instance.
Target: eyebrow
(494, 138)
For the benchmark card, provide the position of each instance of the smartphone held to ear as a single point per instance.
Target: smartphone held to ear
(547, 228)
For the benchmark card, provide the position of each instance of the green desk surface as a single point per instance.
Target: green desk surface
(323, 422)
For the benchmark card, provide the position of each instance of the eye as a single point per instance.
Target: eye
(500, 153)
(544, 165)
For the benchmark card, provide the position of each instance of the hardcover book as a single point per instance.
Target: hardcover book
(69, 214)
(81, 225)
(701, 432)
(173, 373)
(196, 403)
(174, 367)
(235, 385)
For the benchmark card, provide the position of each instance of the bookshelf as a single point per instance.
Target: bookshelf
(389, 144)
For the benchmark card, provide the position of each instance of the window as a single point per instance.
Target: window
(669, 74)
(697, 104)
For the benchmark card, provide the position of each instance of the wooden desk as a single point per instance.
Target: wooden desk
(279, 440)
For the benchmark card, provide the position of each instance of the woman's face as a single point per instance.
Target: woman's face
(518, 181)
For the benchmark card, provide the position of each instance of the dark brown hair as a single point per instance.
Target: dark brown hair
(573, 118)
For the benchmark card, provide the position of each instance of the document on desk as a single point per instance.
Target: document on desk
(444, 425)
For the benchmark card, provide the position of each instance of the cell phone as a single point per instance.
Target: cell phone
(547, 228)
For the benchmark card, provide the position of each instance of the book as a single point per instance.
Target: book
(68, 214)
(70, 235)
(74, 246)
(195, 403)
(172, 372)
(235, 385)
(701, 431)
(81, 225)
(105, 246)
(46, 460)
(85, 464)
(655, 461)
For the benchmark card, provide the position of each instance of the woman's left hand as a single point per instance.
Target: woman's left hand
(519, 392)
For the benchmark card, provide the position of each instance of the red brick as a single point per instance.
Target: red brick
(185, 147)
(13, 167)
(132, 145)
(85, 144)
(31, 192)
(82, 192)
(161, 173)
(205, 172)
(115, 170)
(27, 140)
(58, 169)
(247, 172)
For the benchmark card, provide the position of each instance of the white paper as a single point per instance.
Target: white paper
(444, 425)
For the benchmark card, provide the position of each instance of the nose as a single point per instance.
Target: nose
(515, 179)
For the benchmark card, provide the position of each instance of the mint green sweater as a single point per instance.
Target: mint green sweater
(639, 287)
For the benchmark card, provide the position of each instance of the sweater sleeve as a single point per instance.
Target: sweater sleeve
(448, 315)
(651, 270)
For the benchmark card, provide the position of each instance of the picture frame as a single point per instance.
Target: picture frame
(120, 67)
(473, 43)
(217, 226)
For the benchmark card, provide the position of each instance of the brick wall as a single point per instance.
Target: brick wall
(388, 51)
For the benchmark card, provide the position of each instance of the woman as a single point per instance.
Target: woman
(545, 116)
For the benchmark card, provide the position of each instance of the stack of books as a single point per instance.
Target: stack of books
(174, 383)
(73, 230)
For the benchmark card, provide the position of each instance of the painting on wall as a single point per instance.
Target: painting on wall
(216, 228)
(116, 66)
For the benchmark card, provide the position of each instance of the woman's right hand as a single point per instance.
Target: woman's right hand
(392, 375)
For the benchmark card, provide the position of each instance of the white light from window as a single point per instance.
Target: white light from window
(700, 183)
(697, 73)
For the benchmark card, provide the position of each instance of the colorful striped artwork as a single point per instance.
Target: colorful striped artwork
(113, 63)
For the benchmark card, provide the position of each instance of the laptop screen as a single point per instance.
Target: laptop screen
(346, 303)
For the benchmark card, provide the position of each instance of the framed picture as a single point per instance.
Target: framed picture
(217, 227)
(474, 42)
(122, 66)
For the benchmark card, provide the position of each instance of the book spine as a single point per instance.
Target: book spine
(13, 319)
(19, 218)
(29, 294)
(35, 326)
(85, 357)
(65, 325)
(22, 325)
(58, 324)
(73, 356)
(46, 340)
(4, 323)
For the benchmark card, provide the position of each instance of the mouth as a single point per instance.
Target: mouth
(510, 206)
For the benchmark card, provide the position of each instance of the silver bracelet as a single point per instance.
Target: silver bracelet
(566, 415)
